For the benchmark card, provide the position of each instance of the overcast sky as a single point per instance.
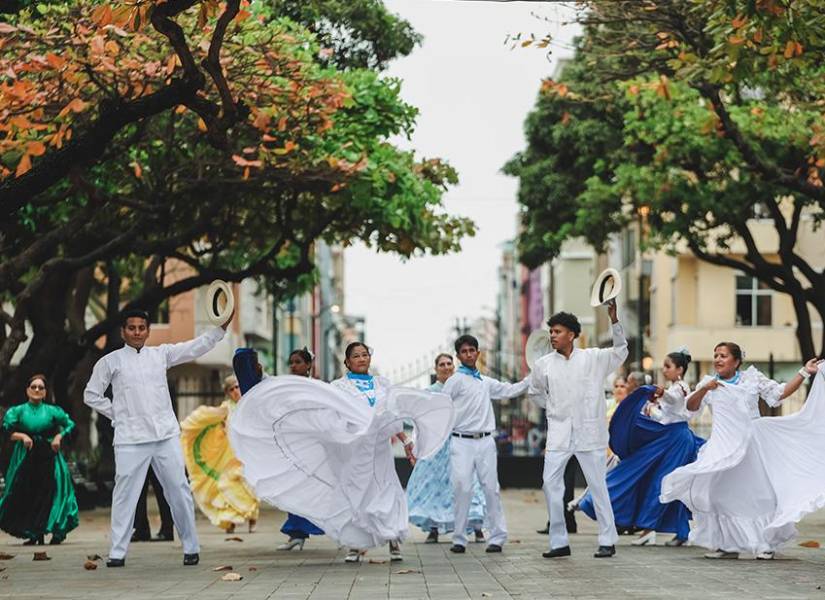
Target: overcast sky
(473, 94)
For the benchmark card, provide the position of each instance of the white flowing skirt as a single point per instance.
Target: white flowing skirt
(754, 479)
(316, 451)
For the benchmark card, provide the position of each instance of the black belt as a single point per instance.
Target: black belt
(473, 436)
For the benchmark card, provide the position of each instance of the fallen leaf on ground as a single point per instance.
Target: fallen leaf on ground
(4, 556)
(233, 539)
(253, 568)
(90, 565)
(41, 556)
(377, 561)
(232, 577)
(2, 569)
(94, 557)
(513, 541)
(223, 568)
(810, 544)
(406, 571)
(485, 595)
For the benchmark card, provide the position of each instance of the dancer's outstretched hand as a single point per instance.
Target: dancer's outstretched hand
(812, 366)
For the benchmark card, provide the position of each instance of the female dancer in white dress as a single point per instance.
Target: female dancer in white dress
(755, 478)
(384, 494)
(322, 451)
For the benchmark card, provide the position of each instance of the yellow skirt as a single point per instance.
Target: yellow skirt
(216, 476)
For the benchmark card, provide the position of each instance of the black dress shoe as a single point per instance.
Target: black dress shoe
(493, 548)
(458, 549)
(605, 552)
(190, 560)
(163, 537)
(545, 531)
(557, 552)
(116, 562)
(141, 537)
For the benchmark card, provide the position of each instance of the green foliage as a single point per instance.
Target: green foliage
(633, 123)
(354, 33)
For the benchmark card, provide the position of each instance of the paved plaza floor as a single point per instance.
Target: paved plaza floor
(154, 570)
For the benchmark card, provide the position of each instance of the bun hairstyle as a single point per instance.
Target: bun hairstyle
(304, 353)
(680, 358)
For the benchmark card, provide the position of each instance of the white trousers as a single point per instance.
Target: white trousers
(469, 456)
(593, 466)
(131, 464)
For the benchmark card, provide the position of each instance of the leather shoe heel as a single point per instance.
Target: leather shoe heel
(457, 549)
(190, 560)
(557, 552)
(492, 548)
(605, 552)
(116, 562)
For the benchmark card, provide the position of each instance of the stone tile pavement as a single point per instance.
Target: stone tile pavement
(154, 570)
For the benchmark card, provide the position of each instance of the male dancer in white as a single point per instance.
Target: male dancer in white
(569, 384)
(146, 428)
(473, 449)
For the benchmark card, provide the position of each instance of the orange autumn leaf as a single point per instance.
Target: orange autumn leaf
(137, 169)
(36, 148)
(24, 165)
(790, 48)
(809, 544)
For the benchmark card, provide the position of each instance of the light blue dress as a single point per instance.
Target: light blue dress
(430, 492)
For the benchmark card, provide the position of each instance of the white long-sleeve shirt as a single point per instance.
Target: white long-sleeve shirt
(472, 400)
(571, 390)
(672, 406)
(141, 410)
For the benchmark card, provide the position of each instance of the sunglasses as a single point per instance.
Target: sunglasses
(37, 387)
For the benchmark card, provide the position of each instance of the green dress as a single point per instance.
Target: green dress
(39, 496)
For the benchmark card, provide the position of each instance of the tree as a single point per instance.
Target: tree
(308, 160)
(698, 112)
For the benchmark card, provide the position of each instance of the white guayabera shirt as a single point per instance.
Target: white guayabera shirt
(141, 410)
(472, 400)
(571, 390)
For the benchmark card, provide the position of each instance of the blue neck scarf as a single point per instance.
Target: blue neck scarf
(365, 384)
(471, 372)
(733, 380)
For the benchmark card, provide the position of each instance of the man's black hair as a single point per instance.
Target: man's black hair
(566, 319)
(466, 340)
(132, 313)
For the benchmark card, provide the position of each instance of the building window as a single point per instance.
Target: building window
(161, 316)
(753, 302)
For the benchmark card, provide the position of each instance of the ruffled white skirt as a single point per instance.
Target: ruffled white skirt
(316, 451)
(754, 479)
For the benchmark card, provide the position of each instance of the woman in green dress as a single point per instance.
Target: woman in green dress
(39, 496)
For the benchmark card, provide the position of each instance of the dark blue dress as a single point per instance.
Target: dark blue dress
(648, 451)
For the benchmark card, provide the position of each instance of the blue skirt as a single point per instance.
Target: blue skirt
(299, 527)
(648, 451)
(430, 495)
